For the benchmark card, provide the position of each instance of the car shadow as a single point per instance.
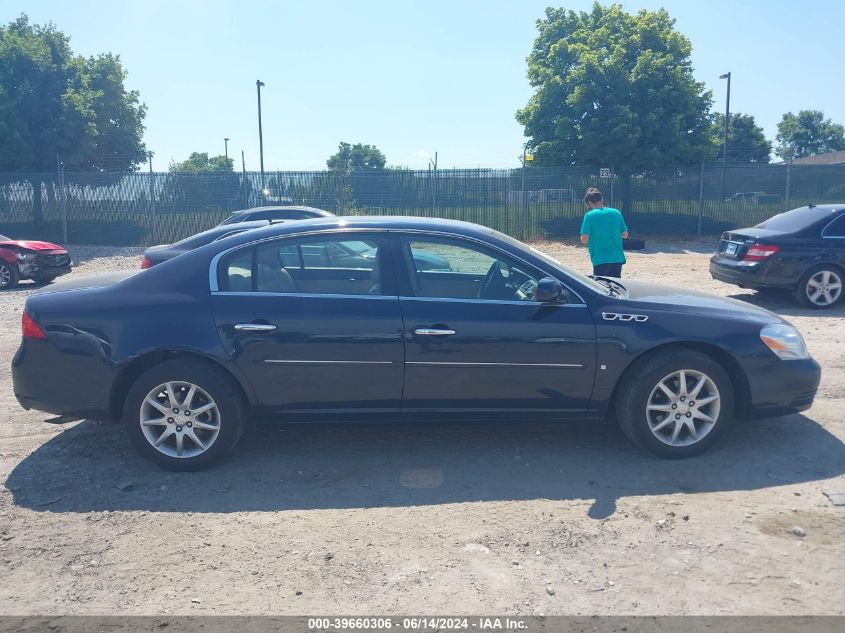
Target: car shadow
(784, 303)
(91, 467)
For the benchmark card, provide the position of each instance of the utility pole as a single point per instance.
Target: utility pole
(226, 151)
(258, 84)
(725, 143)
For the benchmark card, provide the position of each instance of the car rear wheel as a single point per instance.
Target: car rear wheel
(820, 287)
(9, 276)
(184, 414)
(675, 404)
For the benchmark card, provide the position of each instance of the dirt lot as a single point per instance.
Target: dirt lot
(476, 518)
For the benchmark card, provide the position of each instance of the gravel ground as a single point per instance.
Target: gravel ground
(508, 518)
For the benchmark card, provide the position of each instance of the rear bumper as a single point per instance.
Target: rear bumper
(42, 379)
(784, 388)
(744, 274)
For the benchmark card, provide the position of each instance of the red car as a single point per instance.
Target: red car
(30, 259)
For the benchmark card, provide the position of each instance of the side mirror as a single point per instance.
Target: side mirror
(548, 289)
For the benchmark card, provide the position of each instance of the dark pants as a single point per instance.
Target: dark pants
(607, 270)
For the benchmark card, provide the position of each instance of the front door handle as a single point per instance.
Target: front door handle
(255, 327)
(427, 331)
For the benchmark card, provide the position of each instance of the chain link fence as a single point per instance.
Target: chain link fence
(530, 203)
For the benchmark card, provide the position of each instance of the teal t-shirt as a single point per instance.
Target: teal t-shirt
(605, 227)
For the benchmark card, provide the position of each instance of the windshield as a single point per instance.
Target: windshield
(592, 284)
(3, 238)
(795, 220)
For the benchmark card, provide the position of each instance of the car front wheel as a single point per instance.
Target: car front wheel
(184, 414)
(820, 287)
(9, 276)
(675, 404)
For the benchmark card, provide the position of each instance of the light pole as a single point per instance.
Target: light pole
(258, 85)
(226, 142)
(725, 143)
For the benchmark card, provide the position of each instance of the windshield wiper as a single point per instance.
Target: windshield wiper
(613, 286)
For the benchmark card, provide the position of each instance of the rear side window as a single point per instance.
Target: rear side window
(308, 265)
(835, 228)
(795, 220)
(236, 272)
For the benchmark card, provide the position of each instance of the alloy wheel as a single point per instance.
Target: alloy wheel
(180, 419)
(5, 276)
(824, 288)
(683, 407)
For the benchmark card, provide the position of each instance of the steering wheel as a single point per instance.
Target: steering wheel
(494, 275)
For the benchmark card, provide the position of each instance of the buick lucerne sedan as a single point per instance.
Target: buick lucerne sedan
(262, 327)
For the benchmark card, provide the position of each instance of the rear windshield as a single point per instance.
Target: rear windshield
(796, 219)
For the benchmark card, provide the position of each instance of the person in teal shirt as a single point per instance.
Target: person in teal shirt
(602, 231)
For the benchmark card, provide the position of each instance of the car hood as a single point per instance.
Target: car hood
(694, 302)
(91, 281)
(33, 245)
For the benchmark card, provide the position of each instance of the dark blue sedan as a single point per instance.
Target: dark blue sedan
(266, 326)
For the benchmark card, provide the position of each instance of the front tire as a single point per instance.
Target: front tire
(675, 404)
(9, 276)
(184, 414)
(820, 287)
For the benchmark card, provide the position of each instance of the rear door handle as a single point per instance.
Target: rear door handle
(427, 331)
(254, 327)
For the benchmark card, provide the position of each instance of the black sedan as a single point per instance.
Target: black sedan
(276, 213)
(256, 328)
(802, 251)
(161, 253)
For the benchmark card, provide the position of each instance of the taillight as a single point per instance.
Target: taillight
(146, 263)
(760, 252)
(30, 328)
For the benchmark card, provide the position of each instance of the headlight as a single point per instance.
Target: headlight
(26, 257)
(785, 341)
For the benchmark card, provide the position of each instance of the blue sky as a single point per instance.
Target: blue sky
(410, 77)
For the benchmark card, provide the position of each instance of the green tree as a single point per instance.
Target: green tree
(200, 163)
(746, 141)
(53, 102)
(356, 156)
(614, 89)
(808, 133)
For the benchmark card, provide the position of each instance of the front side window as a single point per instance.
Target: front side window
(464, 270)
(308, 265)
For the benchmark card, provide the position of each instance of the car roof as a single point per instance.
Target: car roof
(285, 207)
(374, 222)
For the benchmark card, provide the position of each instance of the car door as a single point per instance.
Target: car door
(312, 338)
(476, 341)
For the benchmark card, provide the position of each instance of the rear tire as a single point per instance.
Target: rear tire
(9, 276)
(671, 419)
(165, 430)
(821, 287)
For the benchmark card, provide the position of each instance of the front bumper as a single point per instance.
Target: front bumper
(46, 266)
(782, 388)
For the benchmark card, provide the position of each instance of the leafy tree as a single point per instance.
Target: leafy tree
(356, 156)
(200, 163)
(614, 89)
(808, 133)
(53, 102)
(746, 141)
